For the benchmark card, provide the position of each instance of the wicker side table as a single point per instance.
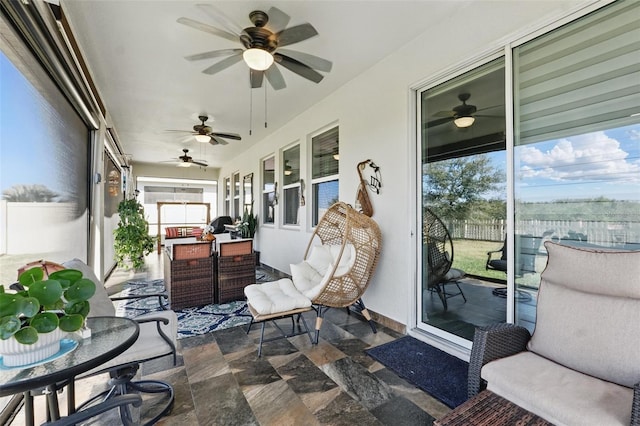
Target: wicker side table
(489, 409)
(234, 274)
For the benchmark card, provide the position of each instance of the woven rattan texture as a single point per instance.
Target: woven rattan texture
(342, 225)
(192, 251)
(236, 247)
(234, 274)
(489, 409)
(189, 282)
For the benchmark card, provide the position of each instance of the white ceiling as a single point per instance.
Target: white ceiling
(135, 51)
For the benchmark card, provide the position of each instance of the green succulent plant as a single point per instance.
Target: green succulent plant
(41, 305)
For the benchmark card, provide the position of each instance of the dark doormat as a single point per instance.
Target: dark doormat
(441, 375)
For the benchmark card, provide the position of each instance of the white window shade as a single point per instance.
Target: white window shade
(580, 78)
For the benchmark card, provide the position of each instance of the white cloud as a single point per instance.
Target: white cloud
(591, 157)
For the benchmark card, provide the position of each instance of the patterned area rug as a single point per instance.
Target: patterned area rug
(191, 321)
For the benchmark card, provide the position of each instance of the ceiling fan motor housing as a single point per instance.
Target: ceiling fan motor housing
(259, 38)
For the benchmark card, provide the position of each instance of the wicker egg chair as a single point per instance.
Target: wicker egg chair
(438, 258)
(342, 226)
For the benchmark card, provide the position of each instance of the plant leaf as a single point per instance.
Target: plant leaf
(31, 276)
(44, 322)
(10, 304)
(81, 290)
(47, 292)
(27, 335)
(29, 306)
(71, 275)
(8, 326)
(81, 308)
(71, 322)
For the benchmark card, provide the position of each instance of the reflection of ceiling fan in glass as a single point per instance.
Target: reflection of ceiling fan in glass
(463, 115)
(262, 46)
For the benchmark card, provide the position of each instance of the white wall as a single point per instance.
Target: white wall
(375, 116)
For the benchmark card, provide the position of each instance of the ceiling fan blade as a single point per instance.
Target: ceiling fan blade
(439, 121)
(234, 136)
(207, 29)
(221, 19)
(212, 54)
(313, 61)
(444, 114)
(217, 141)
(295, 34)
(278, 20)
(298, 68)
(255, 78)
(198, 163)
(275, 78)
(223, 64)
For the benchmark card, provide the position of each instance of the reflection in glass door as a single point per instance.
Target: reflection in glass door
(577, 139)
(464, 202)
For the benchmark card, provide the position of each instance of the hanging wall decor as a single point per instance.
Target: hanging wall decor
(363, 203)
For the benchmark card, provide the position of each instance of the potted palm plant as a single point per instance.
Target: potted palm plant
(40, 312)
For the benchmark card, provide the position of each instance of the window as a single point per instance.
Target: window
(227, 197)
(291, 184)
(269, 200)
(576, 149)
(324, 172)
(44, 158)
(236, 195)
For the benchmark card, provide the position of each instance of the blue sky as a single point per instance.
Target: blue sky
(598, 164)
(25, 147)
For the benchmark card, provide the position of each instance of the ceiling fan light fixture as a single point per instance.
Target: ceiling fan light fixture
(203, 138)
(257, 59)
(464, 121)
(184, 164)
(336, 157)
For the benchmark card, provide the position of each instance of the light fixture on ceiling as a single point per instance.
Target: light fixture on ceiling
(336, 156)
(464, 121)
(257, 59)
(203, 138)
(288, 171)
(184, 164)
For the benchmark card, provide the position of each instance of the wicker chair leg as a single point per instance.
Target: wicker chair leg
(319, 316)
(365, 313)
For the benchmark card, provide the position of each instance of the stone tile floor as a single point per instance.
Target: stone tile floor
(219, 379)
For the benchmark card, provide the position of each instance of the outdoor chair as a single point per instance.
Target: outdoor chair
(338, 264)
(157, 339)
(581, 366)
(438, 258)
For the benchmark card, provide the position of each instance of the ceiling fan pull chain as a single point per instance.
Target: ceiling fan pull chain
(250, 107)
(265, 106)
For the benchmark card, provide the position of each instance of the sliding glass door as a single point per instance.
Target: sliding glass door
(463, 203)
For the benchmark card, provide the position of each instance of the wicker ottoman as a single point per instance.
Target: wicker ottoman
(489, 409)
(189, 282)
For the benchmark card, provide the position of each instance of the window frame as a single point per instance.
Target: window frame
(315, 213)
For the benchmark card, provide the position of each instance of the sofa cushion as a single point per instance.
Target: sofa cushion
(596, 334)
(558, 394)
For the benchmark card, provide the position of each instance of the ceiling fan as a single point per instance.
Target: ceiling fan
(186, 160)
(204, 133)
(262, 45)
(463, 115)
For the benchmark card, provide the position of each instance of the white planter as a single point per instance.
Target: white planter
(15, 354)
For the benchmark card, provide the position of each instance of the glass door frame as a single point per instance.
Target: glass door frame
(449, 74)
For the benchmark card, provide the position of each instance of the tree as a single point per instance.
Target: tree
(30, 194)
(132, 239)
(454, 188)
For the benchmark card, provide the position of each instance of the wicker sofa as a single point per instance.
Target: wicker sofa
(581, 366)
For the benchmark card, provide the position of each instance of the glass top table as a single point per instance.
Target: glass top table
(110, 336)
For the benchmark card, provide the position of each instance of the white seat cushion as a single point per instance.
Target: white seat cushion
(275, 297)
(306, 279)
(558, 394)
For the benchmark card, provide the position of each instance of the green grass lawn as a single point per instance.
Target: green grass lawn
(471, 257)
